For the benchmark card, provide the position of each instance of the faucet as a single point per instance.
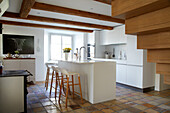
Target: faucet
(80, 51)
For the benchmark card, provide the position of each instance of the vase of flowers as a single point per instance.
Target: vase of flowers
(16, 54)
(66, 51)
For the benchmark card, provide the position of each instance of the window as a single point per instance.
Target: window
(57, 44)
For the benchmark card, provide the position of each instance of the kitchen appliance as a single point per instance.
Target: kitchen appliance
(106, 55)
(90, 51)
(120, 55)
(124, 57)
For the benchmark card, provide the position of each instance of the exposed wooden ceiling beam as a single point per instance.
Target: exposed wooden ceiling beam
(26, 7)
(43, 26)
(105, 1)
(59, 9)
(52, 20)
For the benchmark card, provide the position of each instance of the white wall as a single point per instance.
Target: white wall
(46, 46)
(100, 49)
(78, 41)
(39, 55)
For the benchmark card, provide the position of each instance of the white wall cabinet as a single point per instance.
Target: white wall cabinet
(115, 36)
(21, 64)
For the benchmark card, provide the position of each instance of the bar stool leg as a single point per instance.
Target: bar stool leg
(67, 89)
(47, 79)
(72, 85)
(56, 84)
(80, 88)
(51, 83)
(61, 86)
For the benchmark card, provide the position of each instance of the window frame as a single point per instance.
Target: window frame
(49, 48)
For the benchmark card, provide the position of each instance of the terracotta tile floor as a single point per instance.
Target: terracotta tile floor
(127, 101)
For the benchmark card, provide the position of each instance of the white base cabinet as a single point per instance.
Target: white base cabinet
(12, 94)
(21, 64)
(134, 76)
(137, 72)
(121, 73)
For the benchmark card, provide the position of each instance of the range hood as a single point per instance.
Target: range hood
(4, 4)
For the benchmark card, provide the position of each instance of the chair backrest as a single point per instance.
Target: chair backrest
(64, 71)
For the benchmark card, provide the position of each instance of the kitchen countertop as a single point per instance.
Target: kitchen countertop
(84, 61)
(12, 73)
(118, 61)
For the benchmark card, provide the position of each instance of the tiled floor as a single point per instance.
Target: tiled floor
(127, 101)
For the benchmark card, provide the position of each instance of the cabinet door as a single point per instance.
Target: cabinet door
(121, 73)
(103, 38)
(134, 76)
(30, 66)
(11, 64)
(115, 36)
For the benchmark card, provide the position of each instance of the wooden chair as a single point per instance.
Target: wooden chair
(67, 81)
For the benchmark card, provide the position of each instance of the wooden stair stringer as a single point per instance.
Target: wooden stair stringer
(167, 79)
(160, 40)
(151, 24)
(163, 69)
(158, 55)
(131, 8)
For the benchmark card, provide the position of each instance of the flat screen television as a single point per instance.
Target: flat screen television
(23, 44)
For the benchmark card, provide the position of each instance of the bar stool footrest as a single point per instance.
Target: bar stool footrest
(77, 93)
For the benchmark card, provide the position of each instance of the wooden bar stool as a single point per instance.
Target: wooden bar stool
(49, 68)
(55, 74)
(67, 81)
(47, 76)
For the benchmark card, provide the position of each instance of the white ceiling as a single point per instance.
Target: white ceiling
(85, 5)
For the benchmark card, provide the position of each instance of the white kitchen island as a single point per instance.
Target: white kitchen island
(98, 78)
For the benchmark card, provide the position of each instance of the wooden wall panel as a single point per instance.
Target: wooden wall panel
(131, 8)
(154, 41)
(156, 21)
(167, 79)
(158, 55)
(163, 69)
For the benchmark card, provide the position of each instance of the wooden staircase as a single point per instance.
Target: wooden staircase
(150, 21)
